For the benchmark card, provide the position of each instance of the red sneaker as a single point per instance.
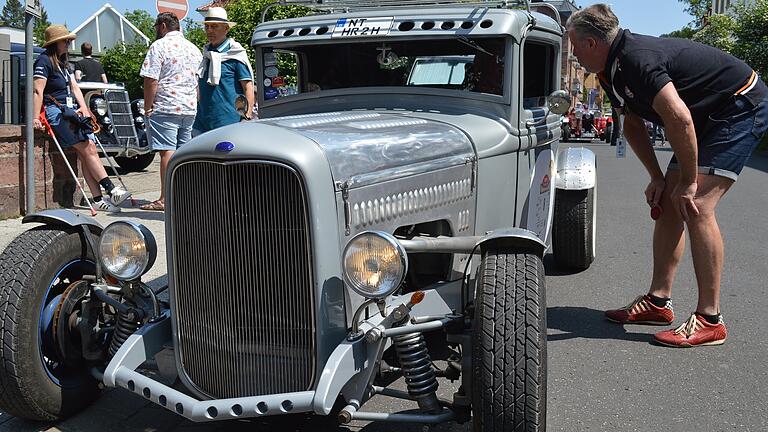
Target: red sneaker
(695, 332)
(642, 311)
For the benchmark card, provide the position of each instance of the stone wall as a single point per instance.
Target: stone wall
(54, 186)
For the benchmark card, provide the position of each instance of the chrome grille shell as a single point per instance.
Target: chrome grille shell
(242, 291)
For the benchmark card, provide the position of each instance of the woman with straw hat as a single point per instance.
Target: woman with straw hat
(56, 90)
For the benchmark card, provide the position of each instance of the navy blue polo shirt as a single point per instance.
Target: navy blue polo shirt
(705, 77)
(57, 83)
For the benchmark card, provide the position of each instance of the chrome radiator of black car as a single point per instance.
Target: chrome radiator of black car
(241, 281)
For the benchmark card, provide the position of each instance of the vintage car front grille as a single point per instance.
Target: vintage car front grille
(242, 291)
(119, 108)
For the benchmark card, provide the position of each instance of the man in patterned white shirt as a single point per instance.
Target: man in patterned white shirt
(170, 93)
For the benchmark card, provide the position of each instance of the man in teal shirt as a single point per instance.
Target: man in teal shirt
(224, 74)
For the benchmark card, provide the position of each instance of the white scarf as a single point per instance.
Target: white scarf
(212, 61)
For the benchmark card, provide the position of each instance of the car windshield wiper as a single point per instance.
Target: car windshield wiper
(472, 44)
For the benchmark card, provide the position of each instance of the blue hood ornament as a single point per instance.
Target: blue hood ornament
(225, 147)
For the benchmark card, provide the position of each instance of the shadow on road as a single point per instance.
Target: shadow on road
(551, 268)
(581, 322)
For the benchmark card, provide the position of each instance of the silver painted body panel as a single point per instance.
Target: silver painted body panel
(62, 216)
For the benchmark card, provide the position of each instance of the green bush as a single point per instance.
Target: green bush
(122, 63)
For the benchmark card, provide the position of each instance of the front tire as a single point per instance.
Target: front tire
(573, 231)
(509, 358)
(35, 383)
(136, 163)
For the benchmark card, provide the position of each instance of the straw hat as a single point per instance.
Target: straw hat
(217, 15)
(57, 32)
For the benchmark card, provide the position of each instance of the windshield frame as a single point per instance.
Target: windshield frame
(505, 98)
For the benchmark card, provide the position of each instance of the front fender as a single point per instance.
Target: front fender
(576, 169)
(63, 217)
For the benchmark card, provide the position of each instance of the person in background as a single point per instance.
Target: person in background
(89, 69)
(170, 93)
(714, 109)
(224, 74)
(57, 90)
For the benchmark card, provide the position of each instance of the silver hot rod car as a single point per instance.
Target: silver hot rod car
(385, 219)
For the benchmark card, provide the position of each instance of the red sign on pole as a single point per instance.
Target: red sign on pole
(176, 7)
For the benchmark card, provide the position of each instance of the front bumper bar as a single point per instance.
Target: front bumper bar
(151, 339)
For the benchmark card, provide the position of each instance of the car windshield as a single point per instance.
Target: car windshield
(474, 65)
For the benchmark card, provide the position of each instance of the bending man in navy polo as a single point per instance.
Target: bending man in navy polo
(714, 109)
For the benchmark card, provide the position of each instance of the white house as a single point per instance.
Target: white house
(722, 6)
(105, 29)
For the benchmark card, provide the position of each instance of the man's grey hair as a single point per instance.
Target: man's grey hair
(597, 21)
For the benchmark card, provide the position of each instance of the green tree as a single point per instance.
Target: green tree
(751, 35)
(684, 33)
(697, 8)
(247, 15)
(122, 63)
(13, 14)
(143, 21)
(718, 32)
(40, 26)
(194, 33)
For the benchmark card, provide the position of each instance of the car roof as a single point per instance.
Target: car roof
(19, 48)
(468, 21)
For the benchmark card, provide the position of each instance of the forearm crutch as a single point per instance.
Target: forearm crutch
(49, 129)
(111, 165)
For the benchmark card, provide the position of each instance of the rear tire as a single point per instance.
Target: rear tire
(136, 163)
(573, 231)
(34, 383)
(509, 355)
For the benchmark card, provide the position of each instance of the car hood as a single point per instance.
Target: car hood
(366, 147)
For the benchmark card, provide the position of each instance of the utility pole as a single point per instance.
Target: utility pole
(31, 11)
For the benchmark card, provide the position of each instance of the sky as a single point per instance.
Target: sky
(651, 17)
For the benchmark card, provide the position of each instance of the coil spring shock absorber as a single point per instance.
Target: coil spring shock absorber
(126, 326)
(417, 368)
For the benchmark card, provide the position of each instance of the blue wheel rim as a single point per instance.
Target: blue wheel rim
(70, 272)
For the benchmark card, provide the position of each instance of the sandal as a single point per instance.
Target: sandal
(154, 205)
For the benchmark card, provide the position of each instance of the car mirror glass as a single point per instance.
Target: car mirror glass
(559, 102)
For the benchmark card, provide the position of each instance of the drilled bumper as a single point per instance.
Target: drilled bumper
(151, 339)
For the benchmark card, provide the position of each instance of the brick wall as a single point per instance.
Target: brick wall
(54, 186)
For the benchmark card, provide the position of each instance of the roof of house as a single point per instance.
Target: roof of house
(215, 3)
(106, 28)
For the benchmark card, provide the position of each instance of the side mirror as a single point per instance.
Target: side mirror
(559, 102)
(241, 106)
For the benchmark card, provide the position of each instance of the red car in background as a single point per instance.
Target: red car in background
(586, 126)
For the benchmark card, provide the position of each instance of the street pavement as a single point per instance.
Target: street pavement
(602, 376)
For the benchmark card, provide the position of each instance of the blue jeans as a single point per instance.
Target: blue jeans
(169, 131)
(730, 137)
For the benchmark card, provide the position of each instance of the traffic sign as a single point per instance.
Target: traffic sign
(33, 8)
(176, 7)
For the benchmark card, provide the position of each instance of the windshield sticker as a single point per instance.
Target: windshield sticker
(270, 93)
(278, 81)
(362, 27)
(267, 82)
(270, 59)
(271, 71)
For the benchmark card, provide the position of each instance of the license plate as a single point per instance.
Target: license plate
(362, 27)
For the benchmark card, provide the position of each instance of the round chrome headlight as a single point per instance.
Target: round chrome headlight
(127, 250)
(374, 264)
(99, 106)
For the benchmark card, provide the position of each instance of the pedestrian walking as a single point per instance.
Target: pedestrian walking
(170, 93)
(224, 74)
(714, 109)
(89, 69)
(57, 91)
